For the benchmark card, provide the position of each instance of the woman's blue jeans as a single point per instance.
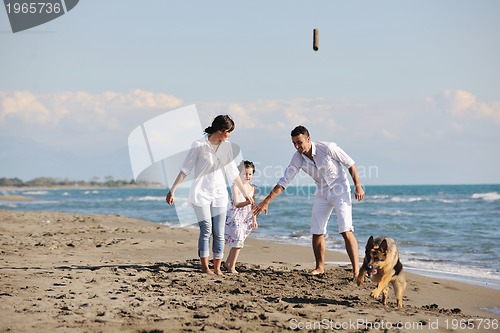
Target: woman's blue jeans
(211, 221)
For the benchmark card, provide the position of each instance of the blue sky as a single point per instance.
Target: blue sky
(411, 90)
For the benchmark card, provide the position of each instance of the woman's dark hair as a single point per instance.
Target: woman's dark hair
(246, 164)
(221, 123)
(300, 130)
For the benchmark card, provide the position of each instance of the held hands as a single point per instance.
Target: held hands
(261, 207)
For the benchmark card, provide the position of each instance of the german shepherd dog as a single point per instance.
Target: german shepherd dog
(382, 266)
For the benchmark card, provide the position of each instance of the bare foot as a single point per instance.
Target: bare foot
(218, 272)
(229, 269)
(317, 271)
(207, 271)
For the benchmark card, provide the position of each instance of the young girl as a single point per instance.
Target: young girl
(240, 220)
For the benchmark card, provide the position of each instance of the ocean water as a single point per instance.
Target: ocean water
(450, 231)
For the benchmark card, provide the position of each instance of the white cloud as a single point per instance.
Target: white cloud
(272, 114)
(489, 111)
(24, 105)
(244, 117)
(91, 125)
(75, 117)
(107, 110)
(462, 104)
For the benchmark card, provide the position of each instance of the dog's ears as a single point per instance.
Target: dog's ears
(370, 242)
(384, 246)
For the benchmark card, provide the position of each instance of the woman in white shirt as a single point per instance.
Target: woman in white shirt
(211, 157)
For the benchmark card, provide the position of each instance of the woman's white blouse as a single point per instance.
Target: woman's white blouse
(210, 166)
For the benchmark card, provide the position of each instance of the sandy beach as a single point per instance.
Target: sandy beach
(62, 272)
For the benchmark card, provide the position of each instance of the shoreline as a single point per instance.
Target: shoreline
(74, 187)
(16, 198)
(479, 281)
(62, 271)
(447, 275)
(476, 280)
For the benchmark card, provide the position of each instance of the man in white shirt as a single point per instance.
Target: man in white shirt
(323, 161)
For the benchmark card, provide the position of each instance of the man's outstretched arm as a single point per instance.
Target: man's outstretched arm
(263, 206)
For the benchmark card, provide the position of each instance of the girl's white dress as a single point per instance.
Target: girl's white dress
(238, 222)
